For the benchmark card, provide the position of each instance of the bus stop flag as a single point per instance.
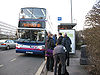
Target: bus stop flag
(59, 18)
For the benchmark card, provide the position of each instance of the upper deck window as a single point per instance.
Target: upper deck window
(33, 13)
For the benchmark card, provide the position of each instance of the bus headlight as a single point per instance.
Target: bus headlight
(17, 45)
(40, 47)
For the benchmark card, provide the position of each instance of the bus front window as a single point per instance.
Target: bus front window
(32, 35)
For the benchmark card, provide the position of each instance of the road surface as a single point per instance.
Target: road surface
(12, 63)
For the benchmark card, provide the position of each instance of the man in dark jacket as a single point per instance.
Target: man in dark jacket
(66, 42)
(59, 41)
(50, 46)
(59, 55)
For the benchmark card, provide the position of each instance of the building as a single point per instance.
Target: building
(7, 31)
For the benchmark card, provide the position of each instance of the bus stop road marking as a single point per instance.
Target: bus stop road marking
(13, 59)
(1, 65)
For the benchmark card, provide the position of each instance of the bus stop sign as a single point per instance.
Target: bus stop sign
(59, 18)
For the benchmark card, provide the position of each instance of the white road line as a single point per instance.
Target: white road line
(40, 68)
(1, 65)
(13, 60)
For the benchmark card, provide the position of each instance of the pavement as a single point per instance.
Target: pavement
(75, 68)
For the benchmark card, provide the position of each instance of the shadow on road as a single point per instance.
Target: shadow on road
(6, 49)
(32, 55)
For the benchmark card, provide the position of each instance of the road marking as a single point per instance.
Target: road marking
(1, 65)
(40, 68)
(13, 60)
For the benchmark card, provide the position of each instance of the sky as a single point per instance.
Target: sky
(9, 11)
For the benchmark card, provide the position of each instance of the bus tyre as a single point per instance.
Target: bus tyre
(8, 47)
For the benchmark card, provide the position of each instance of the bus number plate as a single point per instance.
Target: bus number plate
(30, 52)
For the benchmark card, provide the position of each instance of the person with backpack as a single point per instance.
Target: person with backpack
(66, 42)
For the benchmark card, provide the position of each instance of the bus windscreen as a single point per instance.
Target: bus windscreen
(31, 35)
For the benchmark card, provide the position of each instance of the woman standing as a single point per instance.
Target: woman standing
(49, 50)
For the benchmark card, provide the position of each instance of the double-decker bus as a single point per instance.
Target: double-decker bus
(31, 31)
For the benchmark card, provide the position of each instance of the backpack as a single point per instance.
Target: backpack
(68, 44)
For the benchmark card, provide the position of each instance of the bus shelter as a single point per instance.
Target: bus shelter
(68, 29)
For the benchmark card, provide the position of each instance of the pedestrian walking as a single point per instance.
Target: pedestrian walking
(66, 42)
(59, 56)
(49, 52)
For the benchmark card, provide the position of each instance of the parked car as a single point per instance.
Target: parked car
(7, 44)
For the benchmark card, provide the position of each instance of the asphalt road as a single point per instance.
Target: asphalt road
(12, 63)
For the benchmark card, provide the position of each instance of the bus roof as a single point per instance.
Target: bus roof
(32, 8)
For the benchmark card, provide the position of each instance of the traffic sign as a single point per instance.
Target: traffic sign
(59, 18)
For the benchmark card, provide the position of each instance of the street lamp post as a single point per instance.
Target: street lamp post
(71, 12)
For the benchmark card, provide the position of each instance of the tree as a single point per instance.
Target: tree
(92, 38)
(93, 17)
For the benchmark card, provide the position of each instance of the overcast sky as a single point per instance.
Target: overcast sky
(9, 10)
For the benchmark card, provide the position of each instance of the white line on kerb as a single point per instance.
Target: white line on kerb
(40, 68)
(1, 65)
(13, 59)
